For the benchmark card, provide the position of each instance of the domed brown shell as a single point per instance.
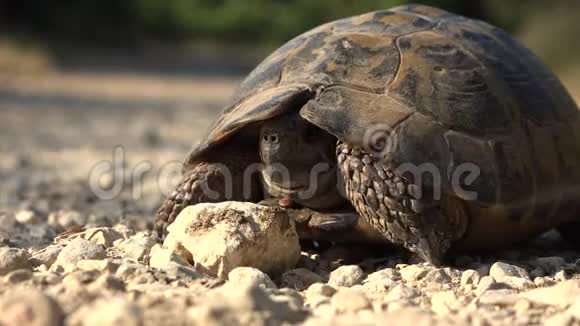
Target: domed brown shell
(450, 89)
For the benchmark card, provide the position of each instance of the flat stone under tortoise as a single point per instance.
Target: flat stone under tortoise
(411, 125)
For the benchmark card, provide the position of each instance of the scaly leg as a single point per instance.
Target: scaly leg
(388, 203)
(210, 182)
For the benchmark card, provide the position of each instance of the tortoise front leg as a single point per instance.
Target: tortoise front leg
(386, 201)
(210, 182)
(341, 226)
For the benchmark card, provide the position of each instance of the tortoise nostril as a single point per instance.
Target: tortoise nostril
(272, 138)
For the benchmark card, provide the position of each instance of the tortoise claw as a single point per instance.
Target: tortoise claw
(333, 222)
(430, 250)
(339, 227)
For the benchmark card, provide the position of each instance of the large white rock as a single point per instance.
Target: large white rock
(218, 237)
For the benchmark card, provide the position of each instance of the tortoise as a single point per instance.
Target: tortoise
(412, 125)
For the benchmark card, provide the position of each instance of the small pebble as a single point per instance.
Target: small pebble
(318, 296)
(412, 273)
(346, 276)
(30, 307)
(299, 278)
(514, 276)
(12, 259)
(320, 289)
(485, 284)
(501, 270)
(26, 217)
(470, 277)
(115, 311)
(443, 303)
(103, 265)
(18, 276)
(252, 276)
(76, 250)
(47, 256)
(561, 276)
(401, 292)
(502, 297)
(383, 274)
(138, 246)
(349, 300)
(438, 276)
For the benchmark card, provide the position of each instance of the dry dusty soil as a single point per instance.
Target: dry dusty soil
(85, 159)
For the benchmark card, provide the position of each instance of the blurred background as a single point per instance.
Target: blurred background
(189, 31)
(78, 78)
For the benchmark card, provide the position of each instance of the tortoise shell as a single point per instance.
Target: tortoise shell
(449, 90)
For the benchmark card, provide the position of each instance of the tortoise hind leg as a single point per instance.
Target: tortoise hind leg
(210, 182)
(385, 200)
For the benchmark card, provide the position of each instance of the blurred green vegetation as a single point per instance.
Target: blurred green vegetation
(549, 28)
(239, 21)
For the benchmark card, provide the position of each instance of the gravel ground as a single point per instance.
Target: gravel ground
(71, 255)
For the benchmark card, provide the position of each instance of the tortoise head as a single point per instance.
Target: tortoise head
(299, 161)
